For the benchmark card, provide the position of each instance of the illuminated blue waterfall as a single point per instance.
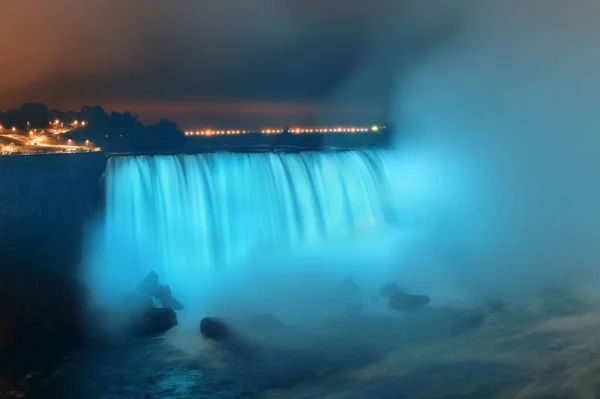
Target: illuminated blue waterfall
(184, 214)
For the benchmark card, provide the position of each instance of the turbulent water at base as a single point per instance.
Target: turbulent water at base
(184, 214)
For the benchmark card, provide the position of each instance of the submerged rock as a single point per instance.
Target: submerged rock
(215, 329)
(138, 302)
(164, 296)
(150, 287)
(149, 284)
(154, 321)
(404, 302)
(389, 290)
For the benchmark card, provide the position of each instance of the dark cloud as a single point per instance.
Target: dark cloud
(139, 54)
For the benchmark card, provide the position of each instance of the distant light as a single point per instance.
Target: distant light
(14, 129)
(83, 123)
(375, 128)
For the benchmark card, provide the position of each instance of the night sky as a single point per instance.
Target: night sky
(218, 63)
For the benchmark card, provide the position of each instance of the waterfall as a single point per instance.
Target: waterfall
(181, 215)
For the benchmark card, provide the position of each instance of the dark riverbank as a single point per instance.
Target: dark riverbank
(515, 354)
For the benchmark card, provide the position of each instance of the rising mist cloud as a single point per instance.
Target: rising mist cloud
(502, 123)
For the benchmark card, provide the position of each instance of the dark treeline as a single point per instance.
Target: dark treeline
(112, 131)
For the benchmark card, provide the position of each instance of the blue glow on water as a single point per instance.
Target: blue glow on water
(195, 219)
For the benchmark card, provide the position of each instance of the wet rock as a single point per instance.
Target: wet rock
(149, 284)
(155, 321)
(266, 322)
(401, 302)
(150, 287)
(164, 296)
(218, 331)
(138, 302)
(215, 329)
(389, 290)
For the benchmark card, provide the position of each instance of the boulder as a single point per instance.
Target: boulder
(138, 302)
(164, 296)
(215, 329)
(388, 290)
(150, 287)
(154, 321)
(401, 302)
(149, 284)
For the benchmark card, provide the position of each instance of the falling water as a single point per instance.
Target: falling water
(188, 215)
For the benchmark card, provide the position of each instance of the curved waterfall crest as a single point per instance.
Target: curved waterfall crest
(180, 213)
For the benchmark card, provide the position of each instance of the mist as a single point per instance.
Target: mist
(499, 127)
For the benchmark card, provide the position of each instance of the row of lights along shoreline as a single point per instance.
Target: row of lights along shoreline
(210, 132)
(54, 125)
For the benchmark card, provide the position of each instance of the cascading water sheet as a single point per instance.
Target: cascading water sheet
(183, 214)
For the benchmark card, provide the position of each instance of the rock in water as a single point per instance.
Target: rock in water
(150, 287)
(389, 290)
(403, 302)
(155, 321)
(164, 296)
(149, 284)
(215, 329)
(138, 302)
